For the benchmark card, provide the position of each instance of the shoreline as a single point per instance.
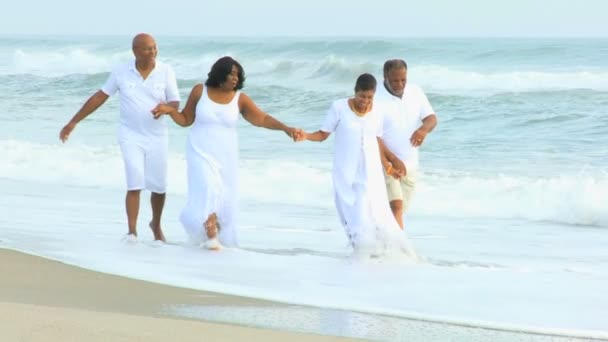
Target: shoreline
(61, 301)
(46, 300)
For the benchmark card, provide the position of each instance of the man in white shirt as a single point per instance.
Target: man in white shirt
(142, 83)
(408, 119)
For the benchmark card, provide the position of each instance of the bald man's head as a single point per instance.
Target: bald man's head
(142, 38)
(144, 48)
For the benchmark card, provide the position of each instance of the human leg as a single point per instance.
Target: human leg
(204, 194)
(228, 217)
(408, 187)
(157, 201)
(395, 198)
(155, 169)
(397, 210)
(133, 159)
(132, 208)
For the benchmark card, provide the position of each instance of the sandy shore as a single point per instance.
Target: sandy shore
(44, 300)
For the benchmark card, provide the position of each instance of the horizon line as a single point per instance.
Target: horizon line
(345, 36)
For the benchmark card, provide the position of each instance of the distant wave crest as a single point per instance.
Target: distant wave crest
(315, 71)
(577, 199)
(63, 62)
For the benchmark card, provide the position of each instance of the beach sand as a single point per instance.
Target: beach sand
(45, 300)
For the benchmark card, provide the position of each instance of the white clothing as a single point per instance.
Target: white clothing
(212, 158)
(143, 139)
(402, 117)
(145, 164)
(138, 96)
(359, 190)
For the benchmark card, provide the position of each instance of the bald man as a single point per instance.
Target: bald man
(142, 84)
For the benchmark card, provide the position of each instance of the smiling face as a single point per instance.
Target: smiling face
(395, 79)
(363, 100)
(144, 49)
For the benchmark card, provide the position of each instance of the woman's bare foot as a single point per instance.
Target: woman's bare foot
(212, 244)
(211, 228)
(158, 232)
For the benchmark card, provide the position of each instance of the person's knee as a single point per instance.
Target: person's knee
(396, 206)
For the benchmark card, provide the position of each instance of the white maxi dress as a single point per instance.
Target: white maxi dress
(212, 158)
(359, 188)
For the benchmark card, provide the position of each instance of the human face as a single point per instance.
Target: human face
(145, 50)
(395, 79)
(232, 79)
(363, 99)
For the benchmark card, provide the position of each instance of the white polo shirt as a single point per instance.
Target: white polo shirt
(402, 117)
(138, 97)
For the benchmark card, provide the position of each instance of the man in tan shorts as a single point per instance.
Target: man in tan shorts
(408, 118)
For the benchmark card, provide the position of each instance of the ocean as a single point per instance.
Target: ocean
(510, 213)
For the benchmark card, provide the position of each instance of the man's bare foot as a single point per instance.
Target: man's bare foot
(130, 238)
(158, 232)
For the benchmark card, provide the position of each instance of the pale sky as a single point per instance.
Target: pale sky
(422, 18)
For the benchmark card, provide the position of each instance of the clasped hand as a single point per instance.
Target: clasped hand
(160, 110)
(297, 134)
(397, 169)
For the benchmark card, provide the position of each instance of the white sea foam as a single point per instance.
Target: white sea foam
(570, 198)
(313, 268)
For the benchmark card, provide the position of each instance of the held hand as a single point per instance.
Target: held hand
(290, 131)
(299, 135)
(391, 171)
(293, 133)
(161, 109)
(418, 137)
(65, 132)
(395, 174)
(397, 169)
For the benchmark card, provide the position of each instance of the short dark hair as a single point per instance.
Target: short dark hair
(365, 82)
(220, 70)
(394, 64)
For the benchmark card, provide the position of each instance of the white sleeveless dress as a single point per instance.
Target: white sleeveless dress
(212, 158)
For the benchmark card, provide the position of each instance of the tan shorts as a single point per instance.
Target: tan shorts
(401, 189)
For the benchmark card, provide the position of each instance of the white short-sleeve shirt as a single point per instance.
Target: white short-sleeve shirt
(402, 117)
(138, 97)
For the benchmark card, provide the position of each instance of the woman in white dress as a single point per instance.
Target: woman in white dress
(212, 151)
(359, 190)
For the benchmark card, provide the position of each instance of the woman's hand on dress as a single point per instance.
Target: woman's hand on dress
(161, 109)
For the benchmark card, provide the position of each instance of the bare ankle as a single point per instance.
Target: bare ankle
(211, 226)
